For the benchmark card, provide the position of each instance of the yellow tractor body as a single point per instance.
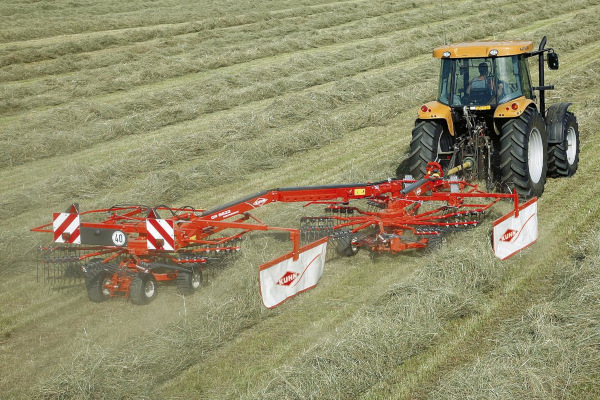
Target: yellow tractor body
(488, 110)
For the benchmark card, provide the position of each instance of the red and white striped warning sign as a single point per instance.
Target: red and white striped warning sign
(66, 228)
(161, 234)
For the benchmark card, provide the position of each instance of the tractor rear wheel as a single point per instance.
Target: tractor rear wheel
(143, 289)
(188, 283)
(96, 282)
(428, 141)
(563, 158)
(524, 154)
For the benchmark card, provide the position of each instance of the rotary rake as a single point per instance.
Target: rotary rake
(126, 249)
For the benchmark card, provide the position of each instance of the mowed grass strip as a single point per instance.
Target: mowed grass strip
(325, 24)
(191, 46)
(231, 307)
(149, 108)
(64, 19)
(246, 126)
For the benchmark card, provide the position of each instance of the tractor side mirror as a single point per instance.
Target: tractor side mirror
(553, 60)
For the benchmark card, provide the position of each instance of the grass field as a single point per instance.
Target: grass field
(200, 103)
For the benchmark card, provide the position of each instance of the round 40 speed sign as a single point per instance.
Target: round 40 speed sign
(119, 238)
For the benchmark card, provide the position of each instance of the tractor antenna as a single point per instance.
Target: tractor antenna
(443, 19)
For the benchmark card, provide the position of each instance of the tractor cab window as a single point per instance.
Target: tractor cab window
(483, 81)
(467, 81)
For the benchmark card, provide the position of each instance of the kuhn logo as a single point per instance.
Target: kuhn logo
(287, 278)
(259, 202)
(508, 235)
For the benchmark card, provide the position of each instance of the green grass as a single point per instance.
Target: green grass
(201, 103)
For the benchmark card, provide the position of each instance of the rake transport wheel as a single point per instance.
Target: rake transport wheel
(524, 154)
(98, 279)
(97, 276)
(188, 283)
(346, 246)
(143, 289)
(434, 243)
(563, 158)
(428, 141)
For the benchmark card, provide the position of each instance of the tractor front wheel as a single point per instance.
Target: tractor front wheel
(524, 154)
(143, 289)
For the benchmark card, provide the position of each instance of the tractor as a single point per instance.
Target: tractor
(486, 112)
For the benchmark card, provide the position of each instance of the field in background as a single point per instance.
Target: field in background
(200, 103)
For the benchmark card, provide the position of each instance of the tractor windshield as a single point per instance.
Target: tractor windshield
(483, 81)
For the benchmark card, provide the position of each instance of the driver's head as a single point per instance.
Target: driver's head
(483, 69)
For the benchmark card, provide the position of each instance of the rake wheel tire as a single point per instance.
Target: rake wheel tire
(189, 283)
(92, 268)
(345, 247)
(143, 289)
(427, 139)
(524, 154)
(434, 243)
(563, 158)
(95, 285)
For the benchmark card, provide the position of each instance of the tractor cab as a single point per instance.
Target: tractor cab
(484, 73)
(482, 81)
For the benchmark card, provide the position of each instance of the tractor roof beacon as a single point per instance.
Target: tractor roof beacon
(486, 111)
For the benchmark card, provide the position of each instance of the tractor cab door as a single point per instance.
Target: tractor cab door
(513, 78)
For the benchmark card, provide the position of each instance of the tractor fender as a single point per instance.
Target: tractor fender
(555, 128)
(437, 110)
(513, 108)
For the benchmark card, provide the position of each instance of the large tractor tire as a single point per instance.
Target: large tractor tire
(143, 289)
(428, 141)
(188, 283)
(563, 158)
(524, 154)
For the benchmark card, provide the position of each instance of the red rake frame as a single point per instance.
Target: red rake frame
(409, 214)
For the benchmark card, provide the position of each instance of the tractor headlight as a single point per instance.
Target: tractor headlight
(493, 52)
(446, 54)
